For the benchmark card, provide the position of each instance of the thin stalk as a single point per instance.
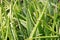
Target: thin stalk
(36, 25)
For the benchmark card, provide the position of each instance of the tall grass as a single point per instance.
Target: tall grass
(29, 20)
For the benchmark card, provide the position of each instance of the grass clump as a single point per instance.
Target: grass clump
(29, 20)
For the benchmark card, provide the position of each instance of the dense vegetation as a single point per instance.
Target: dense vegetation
(29, 19)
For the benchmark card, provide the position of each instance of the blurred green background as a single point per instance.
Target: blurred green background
(29, 19)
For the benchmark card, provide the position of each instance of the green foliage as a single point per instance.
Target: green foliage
(29, 20)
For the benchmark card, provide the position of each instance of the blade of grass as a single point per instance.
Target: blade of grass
(36, 25)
